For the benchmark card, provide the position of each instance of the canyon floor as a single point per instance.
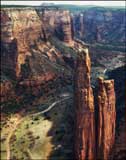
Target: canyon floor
(38, 133)
(39, 53)
(44, 129)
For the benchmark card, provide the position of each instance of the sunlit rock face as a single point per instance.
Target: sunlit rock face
(106, 118)
(26, 54)
(84, 109)
(27, 29)
(59, 24)
(30, 29)
(66, 27)
(23, 25)
(94, 132)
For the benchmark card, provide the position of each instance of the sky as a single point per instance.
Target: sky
(98, 3)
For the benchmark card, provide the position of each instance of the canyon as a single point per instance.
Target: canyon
(44, 56)
(100, 25)
(25, 39)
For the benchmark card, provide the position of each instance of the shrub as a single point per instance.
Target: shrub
(62, 47)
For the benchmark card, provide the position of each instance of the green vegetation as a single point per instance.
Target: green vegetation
(62, 47)
(33, 137)
(50, 132)
(74, 8)
(11, 106)
(25, 138)
(110, 47)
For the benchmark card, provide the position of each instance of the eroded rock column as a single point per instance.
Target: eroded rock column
(106, 118)
(84, 109)
(67, 28)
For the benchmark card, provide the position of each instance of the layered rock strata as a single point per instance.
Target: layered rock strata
(66, 28)
(25, 53)
(59, 23)
(106, 118)
(30, 31)
(100, 25)
(84, 101)
(37, 84)
(27, 29)
(94, 133)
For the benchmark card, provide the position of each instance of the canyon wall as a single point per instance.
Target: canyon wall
(26, 28)
(106, 118)
(58, 23)
(100, 25)
(30, 59)
(31, 31)
(8, 46)
(84, 103)
(94, 132)
(27, 55)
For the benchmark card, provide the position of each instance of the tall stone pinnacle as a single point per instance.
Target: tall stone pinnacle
(94, 133)
(106, 118)
(84, 109)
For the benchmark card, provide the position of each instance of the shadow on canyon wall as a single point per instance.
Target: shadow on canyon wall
(63, 119)
(62, 130)
(119, 148)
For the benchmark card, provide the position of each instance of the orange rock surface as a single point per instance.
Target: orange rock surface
(66, 27)
(106, 118)
(94, 139)
(84, 108)
(58, 22)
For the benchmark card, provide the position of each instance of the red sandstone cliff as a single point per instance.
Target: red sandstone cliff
(30, 31)
(59, 23)
(27, 29)
(23, 40)
(106, 118)
(84, 108)
(85, 123)
(21, 25)
(67, 28)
